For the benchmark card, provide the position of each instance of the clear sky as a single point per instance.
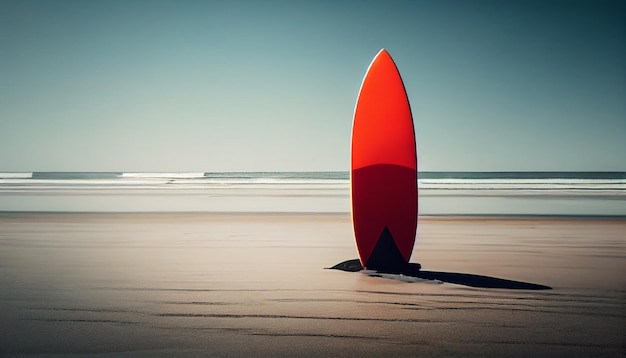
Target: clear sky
(133, 85)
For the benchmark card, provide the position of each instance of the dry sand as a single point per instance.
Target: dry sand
(254, 285)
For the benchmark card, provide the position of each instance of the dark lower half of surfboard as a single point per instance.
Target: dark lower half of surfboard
(384, 215)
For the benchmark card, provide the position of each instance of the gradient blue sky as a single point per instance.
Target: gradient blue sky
(134, 85)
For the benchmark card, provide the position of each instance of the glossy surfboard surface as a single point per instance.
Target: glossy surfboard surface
(383, 176)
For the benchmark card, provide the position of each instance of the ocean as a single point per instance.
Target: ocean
(441, 193)
(233, 265)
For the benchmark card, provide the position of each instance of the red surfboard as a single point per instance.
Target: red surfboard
(383, 177)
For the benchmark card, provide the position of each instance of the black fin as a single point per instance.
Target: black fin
(386, 256)
(353, 265)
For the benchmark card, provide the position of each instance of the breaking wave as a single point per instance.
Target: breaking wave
(428, 181)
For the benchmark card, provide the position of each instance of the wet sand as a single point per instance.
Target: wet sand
(202, 284)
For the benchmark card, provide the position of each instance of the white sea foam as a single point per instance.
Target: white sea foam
(163, 175)
(312, 192)
(14, 175)
(523, 184)
(303, 181)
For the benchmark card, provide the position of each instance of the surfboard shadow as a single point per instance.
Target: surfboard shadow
(465, 279)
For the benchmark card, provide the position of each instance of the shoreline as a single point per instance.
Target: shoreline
(8, 213)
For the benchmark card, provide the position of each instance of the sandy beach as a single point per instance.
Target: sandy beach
(245, 284)
(180, 178)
